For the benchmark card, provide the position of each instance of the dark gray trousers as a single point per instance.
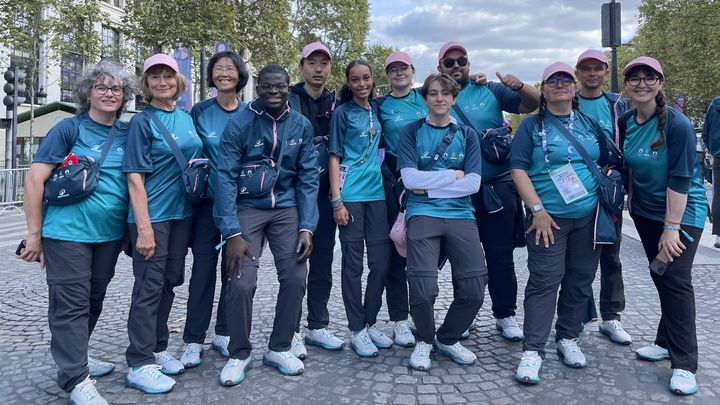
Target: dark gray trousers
(569, 264)
(612, 288)
(368, 226)
(280, 227)
(153, 295)
(460, 240)
(77, 275)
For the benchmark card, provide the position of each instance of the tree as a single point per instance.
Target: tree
(375, 56)
(264, 29)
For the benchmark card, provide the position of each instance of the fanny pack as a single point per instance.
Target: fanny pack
(194, 173)
(70, 183)
(258, 177)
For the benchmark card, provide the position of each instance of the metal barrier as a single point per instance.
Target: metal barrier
(12, 182)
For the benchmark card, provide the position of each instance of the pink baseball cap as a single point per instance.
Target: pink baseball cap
(644, 61)
(448, 47)
(398, 56)
(558, 67)
(592, 54)
(315, 47)
(160, 59)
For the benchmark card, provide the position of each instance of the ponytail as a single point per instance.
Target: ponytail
(541, 110)
(661, 113)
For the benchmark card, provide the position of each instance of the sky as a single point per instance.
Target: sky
(520, 37)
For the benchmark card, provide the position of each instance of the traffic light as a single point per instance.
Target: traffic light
(14, 89)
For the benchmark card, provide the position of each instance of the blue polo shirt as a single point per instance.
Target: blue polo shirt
(483, 105)
(599, 109)
(147, 152)
(210, 120)
(102, 216)
(352, 142)
(652, 169)
(527, 154)
(396, 113)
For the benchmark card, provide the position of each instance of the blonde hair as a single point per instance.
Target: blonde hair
(145, 89)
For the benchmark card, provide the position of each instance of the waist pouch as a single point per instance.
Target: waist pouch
(195, 179)
(257, 179)
(72, 183)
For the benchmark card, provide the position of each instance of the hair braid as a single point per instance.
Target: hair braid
(661, 113)
(541, 109)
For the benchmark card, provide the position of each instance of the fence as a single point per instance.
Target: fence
(12, 182)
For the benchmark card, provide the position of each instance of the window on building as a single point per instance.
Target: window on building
(110, 38)
(71, 67)
(116, 3)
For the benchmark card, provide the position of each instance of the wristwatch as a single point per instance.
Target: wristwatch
(537, 207)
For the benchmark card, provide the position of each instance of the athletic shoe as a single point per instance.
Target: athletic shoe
(99, 368)
(717, 242)
(85, 393)
(683, 382)
(362, 344)
(323, 338)
(234, 371)
(457, 353)
(220, 344)
(192, 357)
(528, 372)
(570, 353)
(285, 362)
(297, 348)
(168, 364)
(614, 330)
(466, 334)
(510, 329)
(149, 379)
(652, 352)
(402, 334)
(420, 357)
(379, 338)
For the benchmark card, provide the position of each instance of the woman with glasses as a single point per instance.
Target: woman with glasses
(78, 251)
(666, 200)
(561, 193)
(160, 221)
(226, 72)
(358, 203)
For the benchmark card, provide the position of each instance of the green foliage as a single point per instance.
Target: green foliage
(263, 27)
(375, 56)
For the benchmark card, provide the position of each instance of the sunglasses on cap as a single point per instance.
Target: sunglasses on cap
(450, 62)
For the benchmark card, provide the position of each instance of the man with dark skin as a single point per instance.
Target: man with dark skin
(266, 139)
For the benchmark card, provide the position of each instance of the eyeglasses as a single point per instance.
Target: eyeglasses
(649, 80)
(555, 82)
(101, 89)
(450, 62)
(395, 70)
(274, 86)
(228, 69)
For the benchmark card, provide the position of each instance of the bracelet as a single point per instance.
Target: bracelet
(336, 205)
(336, 199)
(677, 228)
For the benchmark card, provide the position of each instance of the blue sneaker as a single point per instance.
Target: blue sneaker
(683, 383)
(192, 356)
(149, 379)
(220, 344)
(285, 362)
(420, 357)
(570, 353)
(528, 372)
(323, 338)
(234, 371)
(99, 368)
(652, 352)
(168, 364)
(85, 393)
(457, 353)
(362, 344)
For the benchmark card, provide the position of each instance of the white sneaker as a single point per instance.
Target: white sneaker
(402, 334)
(297, 347)
(323, 338)
(99, 368)
(652, 352)
(528, 371)
(615, 331)
(465, 334)
(149, 379)
(285, 362)
(457, 353)
(420, 357)
(683, 382)
(234, 371)
(717, 242)
(570, 353)
(168, 364)
(220, 343)
(85, 393)
(362, 344)
(379, 338)
(192, 356)
(510, 329)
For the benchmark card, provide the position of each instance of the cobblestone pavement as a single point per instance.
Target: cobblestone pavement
(613, 375)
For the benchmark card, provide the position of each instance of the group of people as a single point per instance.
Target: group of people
(299, 163)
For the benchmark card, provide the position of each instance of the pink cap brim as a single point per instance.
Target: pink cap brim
(592, 54)
(398, 56)
(315, 47)
(558, 67)
(644, 61)
(160, 59)
(448, 47)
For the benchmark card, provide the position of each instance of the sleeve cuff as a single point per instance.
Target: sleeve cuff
(679, 184)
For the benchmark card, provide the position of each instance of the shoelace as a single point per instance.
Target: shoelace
(373, 331)
(529, 360)
(615, 325)
(165, 356)
(458, 348)
(224, 340)
(88, 390)
(326, 333)
(364, 338)
(682, 373)
(403, 327)
(510, 323)
(296, 340)
(285, 355)
(234, 363)
(193, 348)
(152, 371)
(570, 345)
(423, 349)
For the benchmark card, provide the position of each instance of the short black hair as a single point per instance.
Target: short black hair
(243, 74)
(274, 68)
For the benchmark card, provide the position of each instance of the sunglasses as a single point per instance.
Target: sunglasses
(555, 82)
(450, 62)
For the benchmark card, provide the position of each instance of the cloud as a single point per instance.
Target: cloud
(519, 37)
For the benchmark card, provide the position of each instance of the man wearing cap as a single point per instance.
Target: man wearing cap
(313, 100)
(591, 70)
(266, 137)
(481, 107)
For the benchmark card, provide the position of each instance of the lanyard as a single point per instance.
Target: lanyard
(543, 141)
(370, 143)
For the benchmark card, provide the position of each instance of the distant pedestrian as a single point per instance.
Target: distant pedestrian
(711, 138)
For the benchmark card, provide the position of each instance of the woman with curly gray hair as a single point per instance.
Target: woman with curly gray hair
(78, 243)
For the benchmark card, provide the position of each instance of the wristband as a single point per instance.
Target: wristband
(677, 228)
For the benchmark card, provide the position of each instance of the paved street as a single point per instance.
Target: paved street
(613, 375)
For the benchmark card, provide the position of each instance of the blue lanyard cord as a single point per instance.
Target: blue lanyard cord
(543, 141)
(371, 131)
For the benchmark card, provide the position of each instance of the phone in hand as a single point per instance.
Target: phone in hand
(658, 266)
(21, 248)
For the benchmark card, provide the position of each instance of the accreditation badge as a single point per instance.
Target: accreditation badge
(343, 173)
(568, 183)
